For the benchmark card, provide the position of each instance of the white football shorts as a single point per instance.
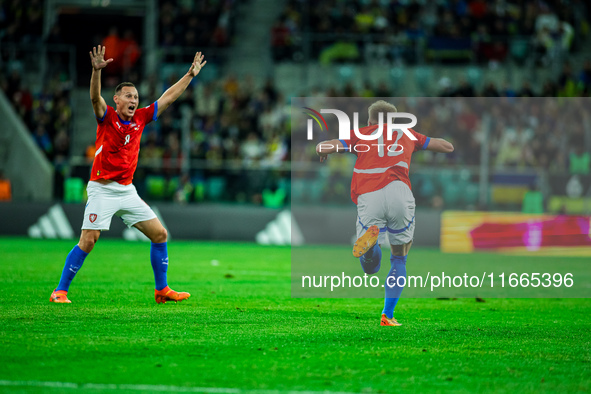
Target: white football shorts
(392, 209)
(106, 200)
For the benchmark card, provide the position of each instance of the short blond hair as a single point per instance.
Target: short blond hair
(377, 107)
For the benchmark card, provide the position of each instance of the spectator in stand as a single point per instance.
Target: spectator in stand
(490, 90)
(221, 33)
(508, 91)
(526, 90)
(214, 27)
(456, 19)
(172, 157)
(549, 90)
(5, 188)
(130, 51)
(281, 44)
(114, 46)
(566, 75)
(43, 140)
(585, 77)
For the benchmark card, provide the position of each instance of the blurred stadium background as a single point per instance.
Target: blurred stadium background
(227, 140)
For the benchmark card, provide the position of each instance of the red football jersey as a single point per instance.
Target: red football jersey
(118, 144)
(381, 161)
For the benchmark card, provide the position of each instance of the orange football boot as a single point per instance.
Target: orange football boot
(388, 322)
(366, 241)
(167, 294)
(60, 297)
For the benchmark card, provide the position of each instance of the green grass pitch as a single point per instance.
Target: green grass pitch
(241, 329)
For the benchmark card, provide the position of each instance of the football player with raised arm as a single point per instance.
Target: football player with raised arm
(110, 191)
(385, 204)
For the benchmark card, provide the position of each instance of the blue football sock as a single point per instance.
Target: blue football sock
(159, 259)
(393, 291)
(370, 261)
(74, 261)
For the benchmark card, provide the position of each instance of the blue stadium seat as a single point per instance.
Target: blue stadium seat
(398, 76)
(427, 188)
(346, 73)
(463, 178)
(465, 175)
(215, 188)
(424, 78)
(298, 190)
(285, 184)
(446, 177)
(209, 73)
(471, 193)
(451, 195)
(474, 76)
(316, 189)
(519, 48)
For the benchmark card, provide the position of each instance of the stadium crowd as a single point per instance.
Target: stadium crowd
(531, 139)
(239, 130)
(235, 123)
(235, 127)
(406, 30)
(199, 24)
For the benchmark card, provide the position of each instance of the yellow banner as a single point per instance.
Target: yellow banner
(515, 233)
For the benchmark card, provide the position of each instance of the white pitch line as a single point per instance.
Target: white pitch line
(264, 273)
(152, 388)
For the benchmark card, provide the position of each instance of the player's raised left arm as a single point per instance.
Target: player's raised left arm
(440, 145)
(174, 92)
(325, 148)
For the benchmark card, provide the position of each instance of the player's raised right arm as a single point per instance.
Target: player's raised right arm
(97, 59)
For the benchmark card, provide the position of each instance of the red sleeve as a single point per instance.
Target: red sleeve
(350, 143)
(422, 141)
(149, 113)
(110, 110)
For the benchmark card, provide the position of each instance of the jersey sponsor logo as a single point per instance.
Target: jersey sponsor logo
(92, 217)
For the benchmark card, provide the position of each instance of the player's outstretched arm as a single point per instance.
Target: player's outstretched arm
(325, 148)
(97, 59)
(440, 145)
(174, 92)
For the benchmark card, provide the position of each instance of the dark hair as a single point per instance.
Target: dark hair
(122, 85)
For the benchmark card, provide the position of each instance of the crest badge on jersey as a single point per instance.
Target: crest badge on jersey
(92, 217)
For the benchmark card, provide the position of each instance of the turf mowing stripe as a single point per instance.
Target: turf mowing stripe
(153, 388)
